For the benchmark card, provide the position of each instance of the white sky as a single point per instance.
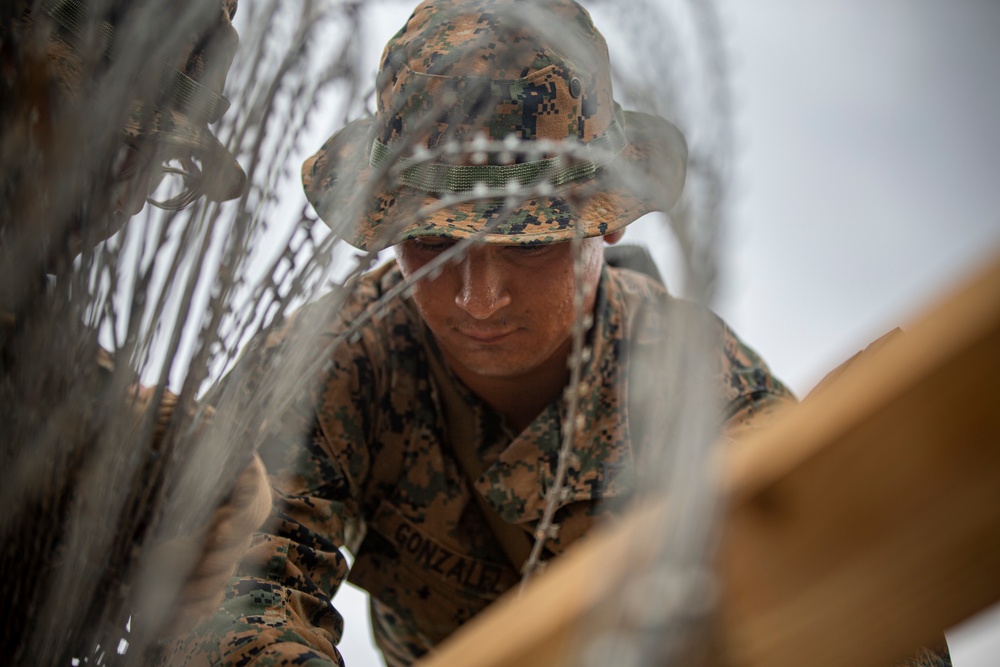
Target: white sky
(866, 185)
(867, 180)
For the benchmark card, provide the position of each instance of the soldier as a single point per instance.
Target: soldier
(498, 166)
(428, 443)
(99, 109)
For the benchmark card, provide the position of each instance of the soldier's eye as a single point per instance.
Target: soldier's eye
(529, 250)
(431, 244)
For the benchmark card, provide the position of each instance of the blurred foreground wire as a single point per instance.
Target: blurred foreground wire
(95, 304)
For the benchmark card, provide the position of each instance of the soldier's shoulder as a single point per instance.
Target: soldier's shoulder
(633, 282)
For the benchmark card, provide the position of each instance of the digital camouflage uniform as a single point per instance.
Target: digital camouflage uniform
(365, 464)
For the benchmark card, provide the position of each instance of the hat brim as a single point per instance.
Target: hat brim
(648, 175)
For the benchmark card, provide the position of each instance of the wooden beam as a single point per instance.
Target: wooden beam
(861, 524)
(868, 519)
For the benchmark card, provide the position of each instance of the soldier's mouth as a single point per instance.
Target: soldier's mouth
(486, 336)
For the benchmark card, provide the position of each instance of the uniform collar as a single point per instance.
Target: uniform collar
(517, 483)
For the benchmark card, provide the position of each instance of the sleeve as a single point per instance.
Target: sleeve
(751, 393)
(277, 609)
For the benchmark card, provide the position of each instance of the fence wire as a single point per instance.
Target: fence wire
(96, 480)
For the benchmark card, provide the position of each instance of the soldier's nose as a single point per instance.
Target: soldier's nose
(482, 291)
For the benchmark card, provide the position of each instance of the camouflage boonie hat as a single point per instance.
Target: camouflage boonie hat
(476, 98)
(189, 77)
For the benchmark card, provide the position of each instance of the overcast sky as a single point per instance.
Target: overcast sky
(868, 168)
(866, 186)
(867, 180)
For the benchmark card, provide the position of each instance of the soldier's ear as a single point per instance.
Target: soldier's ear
(614, 237)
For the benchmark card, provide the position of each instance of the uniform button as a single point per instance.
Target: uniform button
(575, 87)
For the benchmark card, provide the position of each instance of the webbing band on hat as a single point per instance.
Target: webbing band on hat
(444, 178)
(187, 93)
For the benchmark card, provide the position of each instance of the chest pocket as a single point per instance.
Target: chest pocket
(428, 588)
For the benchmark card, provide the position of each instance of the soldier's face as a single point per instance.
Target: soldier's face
(503, 311)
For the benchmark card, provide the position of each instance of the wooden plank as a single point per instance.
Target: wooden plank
(860, 525)
(868, 520)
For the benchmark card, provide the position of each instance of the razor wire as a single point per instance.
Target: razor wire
(664, 610)
(177, 296)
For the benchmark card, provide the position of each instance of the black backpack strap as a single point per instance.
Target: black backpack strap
(634, 257)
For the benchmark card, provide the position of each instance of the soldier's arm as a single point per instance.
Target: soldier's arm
(277, 610)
